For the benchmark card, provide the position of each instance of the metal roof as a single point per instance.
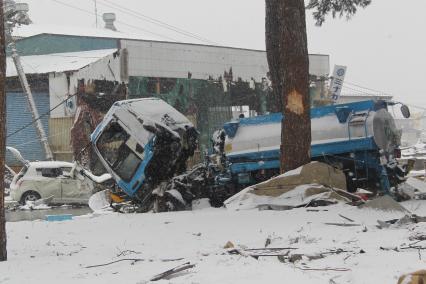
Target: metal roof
(57, 62)
(36, 29)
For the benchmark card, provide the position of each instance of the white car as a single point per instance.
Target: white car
(62, 180)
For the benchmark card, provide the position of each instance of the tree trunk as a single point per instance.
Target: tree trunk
(287, 52)
(3, 252)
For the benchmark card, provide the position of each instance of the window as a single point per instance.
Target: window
(112, 142)
(66, 171)
(50, 172)
(112, 145)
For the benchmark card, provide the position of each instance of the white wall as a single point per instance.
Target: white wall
(58, 91)
(107, 68)
(175, 60)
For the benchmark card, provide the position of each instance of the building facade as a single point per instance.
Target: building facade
(204, 82)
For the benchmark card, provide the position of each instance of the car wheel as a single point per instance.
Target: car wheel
(29, 196)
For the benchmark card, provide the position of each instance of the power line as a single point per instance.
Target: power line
(38, 140)
(358, 91)
(379, 94)
(123, 23)
(366, 88)
(155, 21)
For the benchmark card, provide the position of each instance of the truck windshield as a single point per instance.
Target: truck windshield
(112, 144)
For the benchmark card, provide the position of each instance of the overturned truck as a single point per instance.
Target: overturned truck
(142, 143)
(145, 143)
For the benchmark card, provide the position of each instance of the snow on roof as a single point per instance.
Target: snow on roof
(36, 29)
(51, 164)
(56, 62)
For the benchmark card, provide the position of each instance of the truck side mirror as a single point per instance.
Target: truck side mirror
(405, 111)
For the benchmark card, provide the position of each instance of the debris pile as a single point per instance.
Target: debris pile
(314, 184)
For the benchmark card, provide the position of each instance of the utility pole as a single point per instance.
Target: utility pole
(96, 13)
(17, 14)
(3, 251)
(31, 102)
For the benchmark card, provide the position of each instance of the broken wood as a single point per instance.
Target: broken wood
(343, 224)
(127, 252)
(389, 248)
(258, 252)
(350, 220)
(296, 257)
(413, 247)
(172, 271)
(315, 210)
(324, 269)
(131, 259)
(397, 249)
(115, 261)
(283, 248)
(283, 254)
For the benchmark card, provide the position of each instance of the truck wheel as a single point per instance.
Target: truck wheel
(29, 196)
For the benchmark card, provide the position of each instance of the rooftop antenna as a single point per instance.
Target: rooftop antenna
(96, 13)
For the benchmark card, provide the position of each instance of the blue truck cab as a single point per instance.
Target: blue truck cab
(142, 142)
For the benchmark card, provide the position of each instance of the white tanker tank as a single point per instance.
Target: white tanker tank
(360, 137)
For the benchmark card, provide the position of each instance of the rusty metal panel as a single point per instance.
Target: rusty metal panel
(60, 137)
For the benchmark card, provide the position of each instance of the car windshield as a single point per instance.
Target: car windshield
(112, 145)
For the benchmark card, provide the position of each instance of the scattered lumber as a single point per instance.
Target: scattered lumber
(134, 260)
(172, 271)
(343, 224)
(348, 219)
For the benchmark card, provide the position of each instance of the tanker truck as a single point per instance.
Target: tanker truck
(359, 138)
(144, 145)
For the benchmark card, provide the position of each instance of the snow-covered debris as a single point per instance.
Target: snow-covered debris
(200, 204)
(385, 203)
(301, 195)
(43, 252)
(39, 204)
(15, 152)
(100, 201)
(418, 185)
(97, 179)
(416, 151)
(313, 182)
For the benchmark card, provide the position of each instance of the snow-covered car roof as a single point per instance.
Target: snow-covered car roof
(51, 164)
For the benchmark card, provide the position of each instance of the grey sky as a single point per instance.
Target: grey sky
(383, 46)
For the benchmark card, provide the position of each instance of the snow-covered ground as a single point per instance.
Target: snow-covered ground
(59, 252)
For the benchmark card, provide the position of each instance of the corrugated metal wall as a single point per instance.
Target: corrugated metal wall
(18, 115)
(60, 138)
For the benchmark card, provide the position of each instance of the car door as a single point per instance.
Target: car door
(45, 182)
(74, 189)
